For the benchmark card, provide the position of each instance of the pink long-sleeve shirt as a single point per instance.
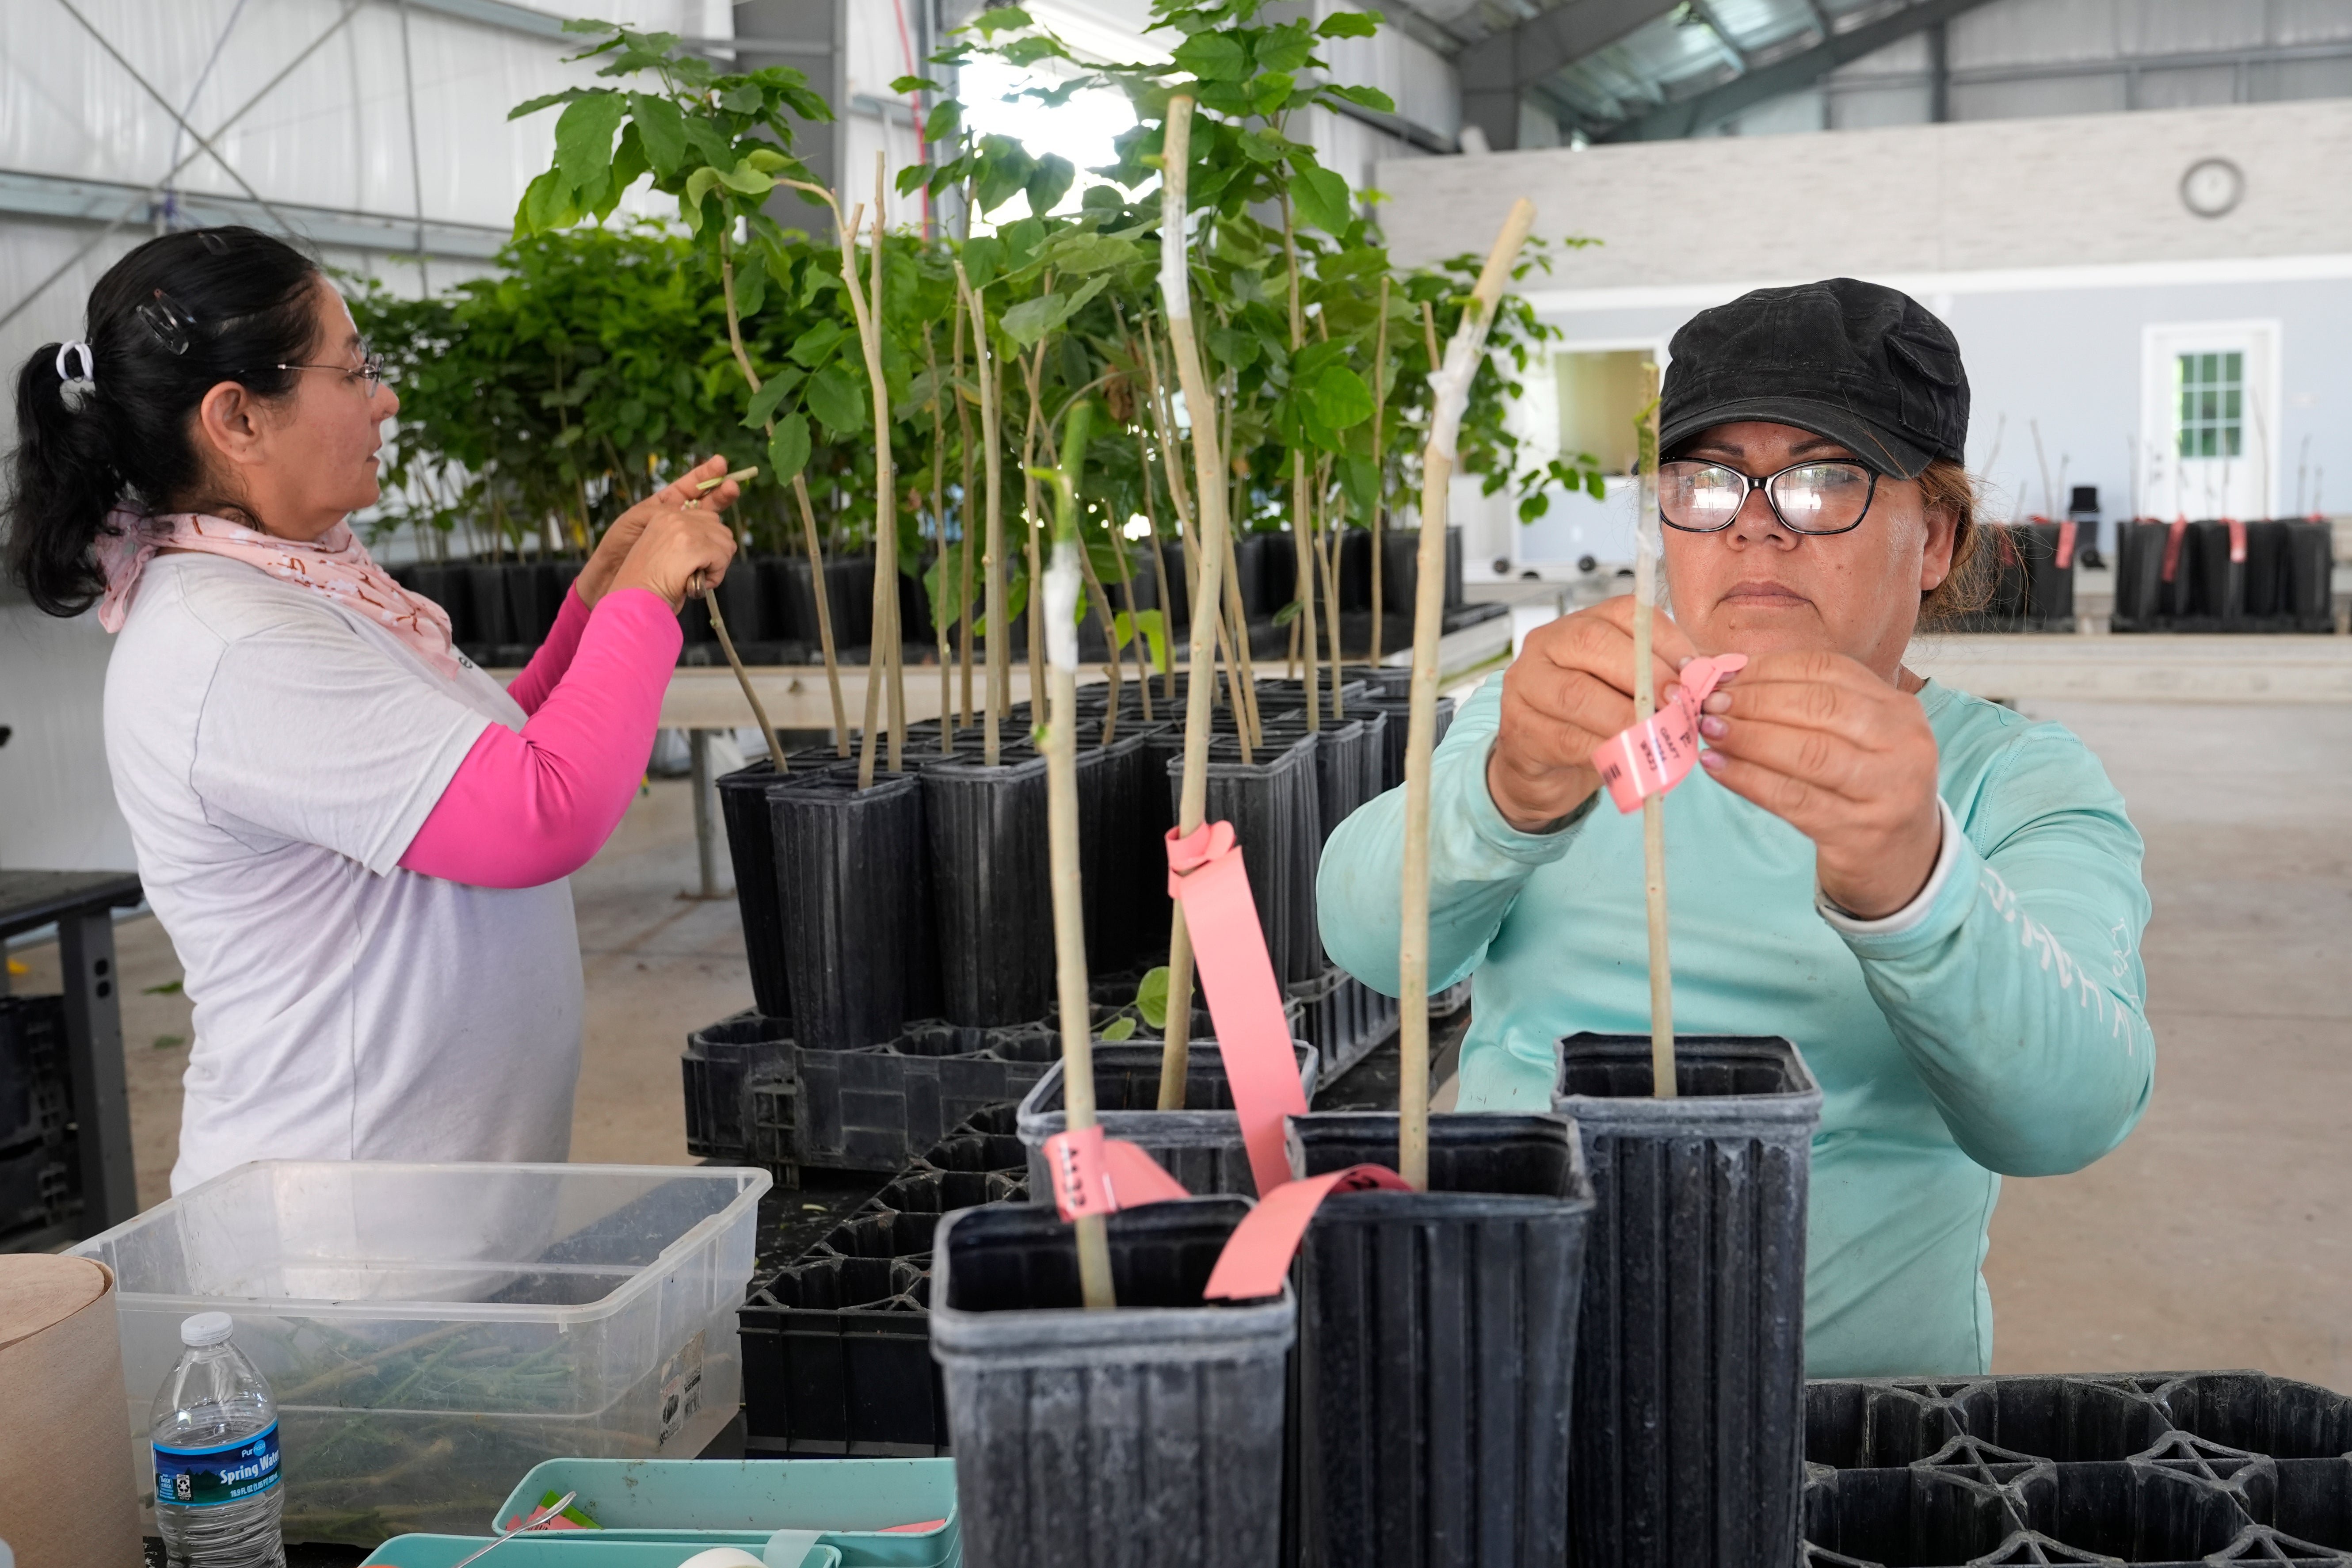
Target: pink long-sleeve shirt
(532, 806)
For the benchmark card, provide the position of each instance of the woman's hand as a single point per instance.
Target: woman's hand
(597, 578)
(1570, 688)
(676, 545)
(1847, 760)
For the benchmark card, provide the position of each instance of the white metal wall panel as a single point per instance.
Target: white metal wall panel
(1989, 194)
(60, 811)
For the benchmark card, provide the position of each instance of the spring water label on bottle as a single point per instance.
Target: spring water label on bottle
(226, 1472)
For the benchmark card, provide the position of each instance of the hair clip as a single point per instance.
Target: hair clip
(75, 391)
(164, 316)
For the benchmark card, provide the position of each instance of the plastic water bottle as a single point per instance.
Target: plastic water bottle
(215, 1432)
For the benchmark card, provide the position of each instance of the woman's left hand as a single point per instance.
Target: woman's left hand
(596, 577)
(1847, 760)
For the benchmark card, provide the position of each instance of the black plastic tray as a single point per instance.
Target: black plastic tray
(837, 1344)
(2171, 1469)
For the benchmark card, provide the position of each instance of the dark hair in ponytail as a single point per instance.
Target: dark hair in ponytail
(167, 324)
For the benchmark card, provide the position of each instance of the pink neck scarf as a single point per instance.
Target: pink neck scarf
(335, 564)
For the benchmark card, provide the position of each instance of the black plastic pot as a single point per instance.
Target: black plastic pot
(1400, 576)
(752, 850)
(1200, 1145)
(837, 1344)
(852, 897)
(2308, 602)
(2139, 581)
(1148, 1437)
(1342, 1017)
(1273, 802)
(1690, 1409)
(2219, 600)
(1398, 710)
(1437, 1344)
(1117, 877)
(792, 604)
(739, 600)
(493, 617)
(991, 897)
(721, 1061)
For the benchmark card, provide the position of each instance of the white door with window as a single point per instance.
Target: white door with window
(2209, 437)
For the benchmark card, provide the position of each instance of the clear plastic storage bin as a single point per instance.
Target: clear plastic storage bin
(433, 1331)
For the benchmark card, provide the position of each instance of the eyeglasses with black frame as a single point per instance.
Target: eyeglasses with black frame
(370, 370)
(1815, 497)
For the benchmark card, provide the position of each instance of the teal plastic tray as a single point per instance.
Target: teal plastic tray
(730, 1502)
(562, 1549)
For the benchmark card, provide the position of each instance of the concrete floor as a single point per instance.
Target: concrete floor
(2216, 1236)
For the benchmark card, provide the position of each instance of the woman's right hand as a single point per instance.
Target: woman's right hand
(677, 545)
(1570, 688)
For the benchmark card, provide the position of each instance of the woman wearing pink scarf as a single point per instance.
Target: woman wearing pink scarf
(358, 842)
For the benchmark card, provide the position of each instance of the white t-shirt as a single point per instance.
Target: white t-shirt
(275, 755)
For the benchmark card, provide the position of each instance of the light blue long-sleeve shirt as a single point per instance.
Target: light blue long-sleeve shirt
(2001, 1033)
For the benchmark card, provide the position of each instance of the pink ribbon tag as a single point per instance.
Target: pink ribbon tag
(1258, 1255)
(1652, 757)
(2237, 542)
(2066, 531)
(1092, 1174)
(2179, 526)
(1207, 875)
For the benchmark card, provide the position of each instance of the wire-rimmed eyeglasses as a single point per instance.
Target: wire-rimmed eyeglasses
(370, 370)
(1815, 497)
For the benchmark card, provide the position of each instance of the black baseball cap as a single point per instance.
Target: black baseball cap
(1867, 366)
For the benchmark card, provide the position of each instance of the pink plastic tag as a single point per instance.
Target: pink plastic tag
(1205, 873)
(2237, 542)
(1092, 1174)
(2177, 527)
(1652, 757)
(1258, 1255)
(2066, 543)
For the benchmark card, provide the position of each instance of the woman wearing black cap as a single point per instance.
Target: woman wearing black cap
(1937, 900)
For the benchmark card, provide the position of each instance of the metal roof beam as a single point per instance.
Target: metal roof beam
(509, 17)
(1703, 111)
(53, 197)
(1497, 71)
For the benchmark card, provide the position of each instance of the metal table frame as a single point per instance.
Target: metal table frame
(82, 905)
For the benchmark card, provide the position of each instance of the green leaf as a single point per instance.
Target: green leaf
(770, 397)
(1077, 252)
(549, 100)
(1289, 612)
(945, 116)
(1151, 997)
(661, 129)
(838, 402)
(1214, 57)
(913, 84)
(1341, 398)
(583, 136)
(1119, 1028)
(169, 988)
(749, 181)
(1349, 25)
(1320, 195)
(999, 19)
(983, 261)
(1154, 631)
(816, 344)
(1031, 320)
(788, 448)
(1050, 184)
(1364, 97)
(743, 98)
(1284, 49)
(699, 185)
